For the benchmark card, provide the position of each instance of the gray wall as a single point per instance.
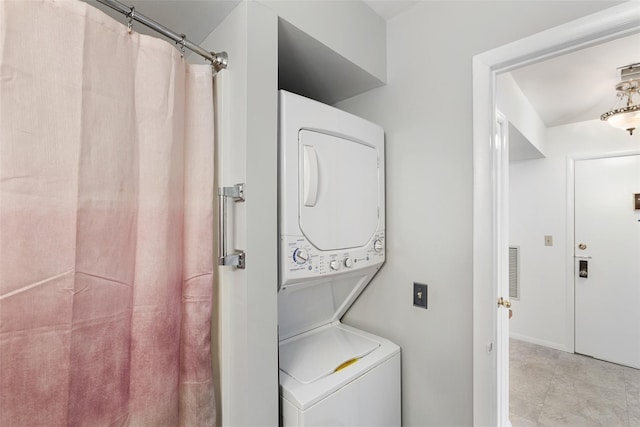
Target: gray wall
(426, 110)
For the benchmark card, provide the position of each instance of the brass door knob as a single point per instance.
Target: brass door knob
(504, 303)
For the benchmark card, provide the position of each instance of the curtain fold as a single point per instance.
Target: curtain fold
(106, 223)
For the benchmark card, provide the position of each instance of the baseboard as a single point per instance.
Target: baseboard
(537, 341)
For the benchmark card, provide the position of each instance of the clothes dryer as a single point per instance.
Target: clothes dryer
(332, 243)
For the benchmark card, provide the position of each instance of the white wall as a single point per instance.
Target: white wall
(526, 141)
(247, 152)
(426, 112)
(538, 207)
(591, 138)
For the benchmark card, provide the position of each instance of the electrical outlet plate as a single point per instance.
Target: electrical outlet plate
(420, 295)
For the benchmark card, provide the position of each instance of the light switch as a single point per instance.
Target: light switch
(419, 295)
(548, 240)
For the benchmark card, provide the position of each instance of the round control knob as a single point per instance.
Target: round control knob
(348, 262)
(334, 265)
(377, 246)
(300, 256)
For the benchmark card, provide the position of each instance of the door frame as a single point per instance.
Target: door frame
(489, 194)
(501, 184)
(570, 242)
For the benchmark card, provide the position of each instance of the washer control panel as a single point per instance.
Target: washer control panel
(300, 260)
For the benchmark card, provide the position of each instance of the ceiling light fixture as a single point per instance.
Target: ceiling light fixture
(626, 117)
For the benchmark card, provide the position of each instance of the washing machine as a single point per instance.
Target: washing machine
(332, 243)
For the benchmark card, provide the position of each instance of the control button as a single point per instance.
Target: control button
(334, 265)
(348, 262)
(300, 256)
(377, 245)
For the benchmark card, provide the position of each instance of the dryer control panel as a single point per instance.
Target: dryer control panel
(301, 261)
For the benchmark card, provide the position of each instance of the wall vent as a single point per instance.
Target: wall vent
(514, 272)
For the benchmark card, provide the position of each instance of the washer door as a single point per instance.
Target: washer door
(312, 357)
(339, 187)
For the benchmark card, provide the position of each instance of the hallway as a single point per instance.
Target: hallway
(553, 388)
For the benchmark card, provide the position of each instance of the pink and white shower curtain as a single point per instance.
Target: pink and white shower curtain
(106, 213)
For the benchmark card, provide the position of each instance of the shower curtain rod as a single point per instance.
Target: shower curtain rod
(218, 60)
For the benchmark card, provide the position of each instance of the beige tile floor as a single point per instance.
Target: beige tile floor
(553, 388)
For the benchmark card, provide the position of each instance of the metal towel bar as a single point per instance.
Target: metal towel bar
(236, 259)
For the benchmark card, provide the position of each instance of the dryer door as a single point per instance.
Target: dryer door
(339, 187)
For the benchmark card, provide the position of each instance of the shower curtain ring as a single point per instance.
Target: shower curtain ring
(131, 15)
(182, 44)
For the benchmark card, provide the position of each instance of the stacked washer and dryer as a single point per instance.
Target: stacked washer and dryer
(332, 243)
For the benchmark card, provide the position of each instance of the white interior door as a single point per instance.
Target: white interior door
(607, 243)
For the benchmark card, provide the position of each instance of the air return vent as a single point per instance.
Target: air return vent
(514, 272)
